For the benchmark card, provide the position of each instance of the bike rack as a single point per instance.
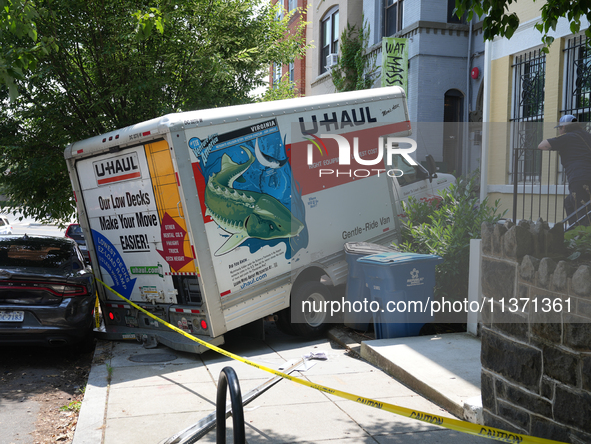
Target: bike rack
(195, 432)
(229, 379)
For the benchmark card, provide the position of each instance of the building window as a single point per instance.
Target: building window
(392, 17)
(329, 29)
(529, 73)
(280, 12)
(577, 79)
(292, 4)
(292, 72)
(276, 74)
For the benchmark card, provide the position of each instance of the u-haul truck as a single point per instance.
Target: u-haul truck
(216, 218)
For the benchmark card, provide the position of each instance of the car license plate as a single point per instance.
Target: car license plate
(12, 316)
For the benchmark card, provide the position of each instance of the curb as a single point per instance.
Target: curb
(344, 340)
(91, 420)
(470, 410)
(371, 356)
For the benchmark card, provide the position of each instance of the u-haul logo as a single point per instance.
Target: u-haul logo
(117, 169)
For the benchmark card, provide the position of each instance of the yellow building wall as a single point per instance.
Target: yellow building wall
(500, 114)
(526, 10)
(553, 86)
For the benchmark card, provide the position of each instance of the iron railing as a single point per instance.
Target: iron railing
(543, 194)
(531, 174)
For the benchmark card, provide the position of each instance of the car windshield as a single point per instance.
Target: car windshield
(44, 253)
(75, 230)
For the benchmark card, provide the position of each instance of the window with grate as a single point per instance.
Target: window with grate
(529, 71)
(577, 79)
(393, 12)
(329, 28)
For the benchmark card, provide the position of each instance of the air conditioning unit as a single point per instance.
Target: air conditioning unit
(331, 60)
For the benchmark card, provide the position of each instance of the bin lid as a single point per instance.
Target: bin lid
(366, 248)
(398, 258)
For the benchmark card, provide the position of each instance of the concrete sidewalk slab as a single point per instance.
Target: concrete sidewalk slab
(443, 368)
(137, 402)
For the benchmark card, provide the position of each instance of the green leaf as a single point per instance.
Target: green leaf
(574, 256)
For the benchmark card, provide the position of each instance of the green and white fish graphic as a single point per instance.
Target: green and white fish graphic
(245, 214)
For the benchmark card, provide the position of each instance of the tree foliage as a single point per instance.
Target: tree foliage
(356, 68)
(72, 69)
(21, 44)
(284, 89)
(444, 227)
(499, 22)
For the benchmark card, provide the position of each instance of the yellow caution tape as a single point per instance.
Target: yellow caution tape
(448, 423)
(97, 316)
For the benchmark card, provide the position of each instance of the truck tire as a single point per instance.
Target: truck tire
(309, 323)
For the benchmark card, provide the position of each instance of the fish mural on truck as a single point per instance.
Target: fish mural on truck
(243, 213)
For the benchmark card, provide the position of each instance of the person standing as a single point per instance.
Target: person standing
(574, 146)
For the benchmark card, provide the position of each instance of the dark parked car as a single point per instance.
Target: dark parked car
(74, 231)
(47, 292)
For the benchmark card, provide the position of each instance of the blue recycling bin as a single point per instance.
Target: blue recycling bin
(400, 287)
(357, 290)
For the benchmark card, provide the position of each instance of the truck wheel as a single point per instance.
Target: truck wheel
(310, 323)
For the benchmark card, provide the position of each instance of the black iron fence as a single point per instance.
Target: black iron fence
(539, 183)
(540, 188)
(532, 171)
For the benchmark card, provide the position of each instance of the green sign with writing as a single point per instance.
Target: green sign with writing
(395, 62)
(147, 269)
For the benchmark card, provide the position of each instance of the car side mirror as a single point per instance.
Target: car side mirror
(431, 167)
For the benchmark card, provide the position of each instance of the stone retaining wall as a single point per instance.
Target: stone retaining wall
(536, 365)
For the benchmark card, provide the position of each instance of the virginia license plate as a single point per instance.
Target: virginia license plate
(12, 316)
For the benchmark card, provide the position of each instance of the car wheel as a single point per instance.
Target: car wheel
(309, 318)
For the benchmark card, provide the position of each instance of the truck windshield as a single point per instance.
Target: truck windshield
(409, 172)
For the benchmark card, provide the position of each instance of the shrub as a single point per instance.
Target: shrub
(356, 68)
(444, 227)
(578, 240)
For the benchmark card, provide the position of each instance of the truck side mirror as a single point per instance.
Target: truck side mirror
(431, 167)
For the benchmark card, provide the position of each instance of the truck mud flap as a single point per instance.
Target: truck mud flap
(170, 339)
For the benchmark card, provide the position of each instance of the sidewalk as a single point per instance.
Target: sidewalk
(136, 395)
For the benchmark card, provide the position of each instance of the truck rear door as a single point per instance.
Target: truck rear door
(136, 220)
